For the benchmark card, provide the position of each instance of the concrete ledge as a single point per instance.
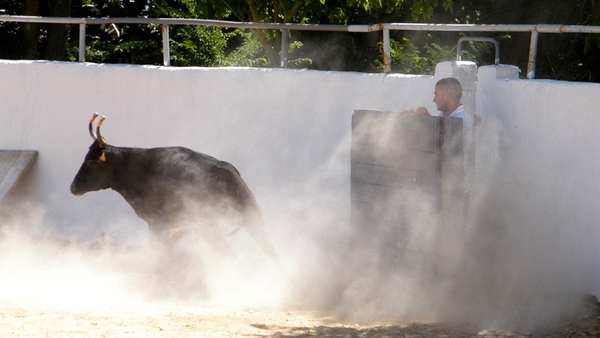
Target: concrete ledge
(13, 164)
(508, 72)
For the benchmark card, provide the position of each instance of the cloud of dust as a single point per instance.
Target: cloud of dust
(39, 267)
(519, 260)
(510, 264)
(42, 269)
(528, 259)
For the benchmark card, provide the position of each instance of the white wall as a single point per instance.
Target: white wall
(534, 229)
(538, 178)
(287, 131)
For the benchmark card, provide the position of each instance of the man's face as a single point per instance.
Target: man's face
(441, 99)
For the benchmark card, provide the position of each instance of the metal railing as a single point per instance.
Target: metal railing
(479, 39)
(385, 28)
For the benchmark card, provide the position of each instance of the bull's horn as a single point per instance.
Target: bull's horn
(100, 139)
(91, 128)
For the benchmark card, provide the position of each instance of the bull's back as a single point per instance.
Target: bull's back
(196, 184)
(203, 177)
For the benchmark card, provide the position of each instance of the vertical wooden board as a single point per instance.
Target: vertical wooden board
(391, 130)
(390, 154)
(393, 157)
(403, 170)
(391, 233)
(394, 177)
(452, 165)
(416, 199)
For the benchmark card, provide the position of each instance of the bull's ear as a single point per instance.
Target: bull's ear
(102, 157)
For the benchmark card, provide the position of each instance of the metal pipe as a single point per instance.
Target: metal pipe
(385, 27)
(480, 39)
(387, 54)
(82, 42)
(532, 55)
(284, 48)
(542, 28)
(165, 43)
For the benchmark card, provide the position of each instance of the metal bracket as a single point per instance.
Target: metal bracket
(480, 39)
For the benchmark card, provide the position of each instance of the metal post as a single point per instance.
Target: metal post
(532, 55)
(387, 56)
(82, 42)
(166, 50)
(284, 48)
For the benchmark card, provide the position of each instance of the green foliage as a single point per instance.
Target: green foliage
(560, 56)
(142, 44)
(250, 53)
(317, 12)
(195, 45)
(298, 62)
(591, 44)
(425, 8)
(406, 58)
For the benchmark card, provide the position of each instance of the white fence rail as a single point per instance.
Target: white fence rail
(385, 28)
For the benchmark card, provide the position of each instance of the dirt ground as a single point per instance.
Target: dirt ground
(48, 289)
(172, 320)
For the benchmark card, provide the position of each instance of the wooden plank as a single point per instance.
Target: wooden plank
(13, 164)
(391, 222)
(416, 199)
(453, 164)
(393, 158)
(406, 174)
(390, 130)
(393, 177)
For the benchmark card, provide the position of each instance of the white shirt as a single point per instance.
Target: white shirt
(467, 121)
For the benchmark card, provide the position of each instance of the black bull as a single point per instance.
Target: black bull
(175, 190)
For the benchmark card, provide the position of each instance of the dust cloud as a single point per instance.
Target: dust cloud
(40, 268)
(519, 260)
(508, 265)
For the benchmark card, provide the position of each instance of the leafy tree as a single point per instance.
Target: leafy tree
(314, 12)
(407, 58)
(574, 57)
(190, 45)
(142, 44)
(560, 56)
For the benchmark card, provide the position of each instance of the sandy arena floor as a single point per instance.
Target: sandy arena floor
(170, 320)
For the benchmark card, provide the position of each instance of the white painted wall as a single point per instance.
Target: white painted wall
(287, 131)
(535, 224)
(540, 185)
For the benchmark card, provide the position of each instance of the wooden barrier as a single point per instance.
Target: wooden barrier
(405, 171)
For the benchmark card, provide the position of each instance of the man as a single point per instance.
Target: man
(447, 95)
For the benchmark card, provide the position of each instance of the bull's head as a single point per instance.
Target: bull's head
(94, 173)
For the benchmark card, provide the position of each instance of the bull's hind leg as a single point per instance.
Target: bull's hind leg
(216, 239)
(178, 273)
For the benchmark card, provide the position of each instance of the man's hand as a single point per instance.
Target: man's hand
(416, 112)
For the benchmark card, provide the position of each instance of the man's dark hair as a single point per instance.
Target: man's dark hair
(451, 86)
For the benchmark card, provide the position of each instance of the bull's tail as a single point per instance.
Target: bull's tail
(235, 230)
(257, 231)
(263, 241)
(255, 226)
(252, 220)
